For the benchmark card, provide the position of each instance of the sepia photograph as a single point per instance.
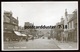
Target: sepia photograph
(39, 25)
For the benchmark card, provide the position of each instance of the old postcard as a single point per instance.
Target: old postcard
(39, 25)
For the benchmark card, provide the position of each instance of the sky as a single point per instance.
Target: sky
(39, 13)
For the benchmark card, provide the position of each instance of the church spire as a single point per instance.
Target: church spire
(66, 14)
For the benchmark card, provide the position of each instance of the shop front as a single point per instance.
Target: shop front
(72, 35)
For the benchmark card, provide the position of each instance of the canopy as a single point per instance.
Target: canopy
(23, 35)
(19, 34)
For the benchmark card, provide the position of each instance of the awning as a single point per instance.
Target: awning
(19, 34)
(29, 35)
(23, 35)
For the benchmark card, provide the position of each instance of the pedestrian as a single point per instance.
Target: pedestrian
(32, 38)
(66, 37)
(62, 37)
(27, 39)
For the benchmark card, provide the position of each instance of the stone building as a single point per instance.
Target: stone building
(9, 25)
(72, 27)
(71, 22)
(29, 31)
(58, 31)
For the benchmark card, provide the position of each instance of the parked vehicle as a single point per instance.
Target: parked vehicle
(48, 37)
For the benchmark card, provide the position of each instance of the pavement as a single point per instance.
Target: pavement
(40, 43)
(66, 45)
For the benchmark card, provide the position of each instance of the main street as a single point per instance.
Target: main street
(31, 44)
